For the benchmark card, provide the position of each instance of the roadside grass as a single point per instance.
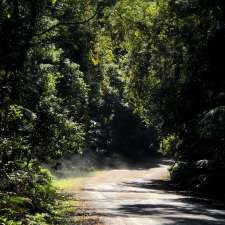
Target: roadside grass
(69, 205)
(71, 209)
(68, 184)
(68, 202)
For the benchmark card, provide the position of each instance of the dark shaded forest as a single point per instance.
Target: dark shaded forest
(105, 78)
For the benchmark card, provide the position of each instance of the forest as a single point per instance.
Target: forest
(107, 78)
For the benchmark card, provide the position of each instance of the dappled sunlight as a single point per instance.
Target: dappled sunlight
(118, 105)
(144, 197)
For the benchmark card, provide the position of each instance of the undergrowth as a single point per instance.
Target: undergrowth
(34, 197)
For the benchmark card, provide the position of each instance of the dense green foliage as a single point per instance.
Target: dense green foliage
(178, 82)
(109, 77)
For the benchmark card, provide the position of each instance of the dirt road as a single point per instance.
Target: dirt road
(143, 197)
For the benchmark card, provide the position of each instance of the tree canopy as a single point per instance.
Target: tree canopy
(106, 77)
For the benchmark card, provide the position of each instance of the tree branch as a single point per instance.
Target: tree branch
(66, 23)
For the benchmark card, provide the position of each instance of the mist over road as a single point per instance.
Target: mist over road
(143, 196)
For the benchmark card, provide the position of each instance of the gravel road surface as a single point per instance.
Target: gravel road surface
(143, 196)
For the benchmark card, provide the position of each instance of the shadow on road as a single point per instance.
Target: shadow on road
(147, 164)
(179, 207)
(151, 199)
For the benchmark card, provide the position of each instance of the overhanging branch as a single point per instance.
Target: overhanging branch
(65, 24)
